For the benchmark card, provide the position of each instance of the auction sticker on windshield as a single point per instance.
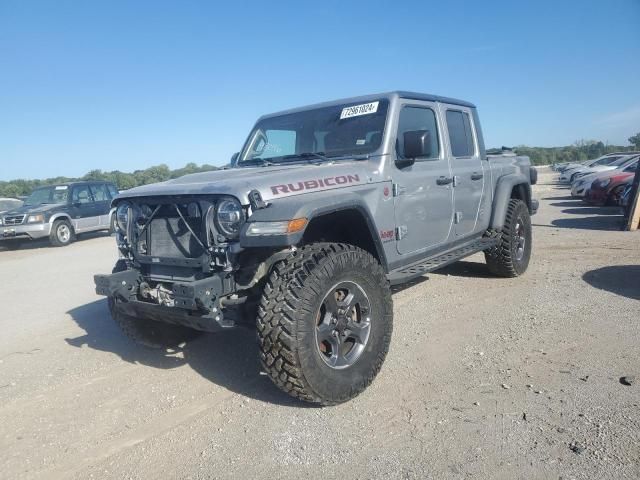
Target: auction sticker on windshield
(357, 110)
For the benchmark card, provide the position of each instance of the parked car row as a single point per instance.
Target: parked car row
(602, 181)
(58, 212)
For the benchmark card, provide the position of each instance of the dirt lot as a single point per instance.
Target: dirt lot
(486, 377)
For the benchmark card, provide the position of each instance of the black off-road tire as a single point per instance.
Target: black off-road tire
(288, 314)
(150, 333)
(62, 233)
(503, 259)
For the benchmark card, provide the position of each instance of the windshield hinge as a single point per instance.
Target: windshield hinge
(398, 190)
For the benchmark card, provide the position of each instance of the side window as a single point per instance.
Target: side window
(81, 195)
(460, 133)
(100, 193)
(632, 168)
(113, 191)
(418, 118)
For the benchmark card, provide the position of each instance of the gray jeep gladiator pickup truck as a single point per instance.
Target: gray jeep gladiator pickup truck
(321, 212)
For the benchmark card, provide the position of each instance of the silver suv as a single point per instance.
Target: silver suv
(321, 212)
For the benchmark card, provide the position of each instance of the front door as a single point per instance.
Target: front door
(83, 209)
(467, 168)
(423, 197)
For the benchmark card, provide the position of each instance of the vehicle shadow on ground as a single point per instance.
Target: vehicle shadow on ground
(228, 359)
(588, 210)
(602, 223)
(464, 268)
(623, 280)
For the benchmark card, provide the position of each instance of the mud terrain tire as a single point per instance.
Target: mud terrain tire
(510, 258)
(296, 305)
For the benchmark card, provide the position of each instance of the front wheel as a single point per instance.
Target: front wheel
(325, 322)
(510, 258)
(61, 233)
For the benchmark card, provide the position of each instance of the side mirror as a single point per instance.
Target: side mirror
(234, 159)
(417, 143)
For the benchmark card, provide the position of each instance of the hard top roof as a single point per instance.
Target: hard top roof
(369, 98)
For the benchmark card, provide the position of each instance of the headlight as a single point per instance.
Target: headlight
(122, 216)
(37, 218)
(229, 217)
(605, 182)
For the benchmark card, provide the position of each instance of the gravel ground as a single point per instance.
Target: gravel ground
(486, 377)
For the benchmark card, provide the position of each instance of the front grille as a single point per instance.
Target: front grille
(14, 219)
(170, 237)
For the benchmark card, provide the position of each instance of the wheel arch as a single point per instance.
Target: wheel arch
(61, 216)
(512, 186)
(342, 217)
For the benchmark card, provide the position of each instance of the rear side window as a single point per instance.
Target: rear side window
(113, 191)
(100, 193)
(460, 133)
(418, 118)
(82, 195)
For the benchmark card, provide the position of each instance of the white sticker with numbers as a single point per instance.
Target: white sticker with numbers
(357, 110)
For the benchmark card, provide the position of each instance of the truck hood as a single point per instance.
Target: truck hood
(272, 182)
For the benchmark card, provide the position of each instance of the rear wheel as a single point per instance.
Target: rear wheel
(510, 258)
(62, 233)
(324, 322)
(150, 333)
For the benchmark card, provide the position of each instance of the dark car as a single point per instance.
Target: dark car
(59, 212)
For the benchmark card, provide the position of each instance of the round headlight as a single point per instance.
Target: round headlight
(122, 216)
(229, 217)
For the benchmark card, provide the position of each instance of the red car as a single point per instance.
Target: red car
(607, 190)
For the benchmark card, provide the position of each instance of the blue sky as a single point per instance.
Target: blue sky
(125, 85)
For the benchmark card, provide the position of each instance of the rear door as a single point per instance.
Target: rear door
(423, 194)
(84, 213)
(467, 168)
(102, 199)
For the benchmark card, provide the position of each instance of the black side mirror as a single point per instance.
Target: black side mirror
(234, 159)
(417, 143)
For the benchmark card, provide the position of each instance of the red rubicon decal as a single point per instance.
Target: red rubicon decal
(311, 184)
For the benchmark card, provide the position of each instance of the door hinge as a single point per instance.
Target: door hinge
(398, 190)
(457, 218)
(401, 232)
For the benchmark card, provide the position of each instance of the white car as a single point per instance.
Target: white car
(598, 165)
(582, 184)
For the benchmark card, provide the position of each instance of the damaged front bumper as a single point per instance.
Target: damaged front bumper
(196, 304)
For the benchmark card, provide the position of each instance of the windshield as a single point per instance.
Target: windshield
(619, 161)
(335, 131)
(9, 204)
(52, 194)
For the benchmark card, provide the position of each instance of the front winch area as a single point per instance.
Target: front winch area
(193, 304)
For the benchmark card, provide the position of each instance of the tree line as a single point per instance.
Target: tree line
(124, 181)
(579, 151)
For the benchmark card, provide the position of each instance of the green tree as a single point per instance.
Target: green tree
(635, 140)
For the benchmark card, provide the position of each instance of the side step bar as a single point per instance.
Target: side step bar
(429, 264)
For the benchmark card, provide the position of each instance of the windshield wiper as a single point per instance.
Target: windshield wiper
(307, 155)
(259, 161)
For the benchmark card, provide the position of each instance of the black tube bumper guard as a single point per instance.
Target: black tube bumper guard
(196, 304)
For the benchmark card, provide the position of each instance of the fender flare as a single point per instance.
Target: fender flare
(322, 203)
(59, 215)
(503, 195)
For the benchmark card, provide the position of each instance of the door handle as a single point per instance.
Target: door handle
(444, 180)
(476, 176)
